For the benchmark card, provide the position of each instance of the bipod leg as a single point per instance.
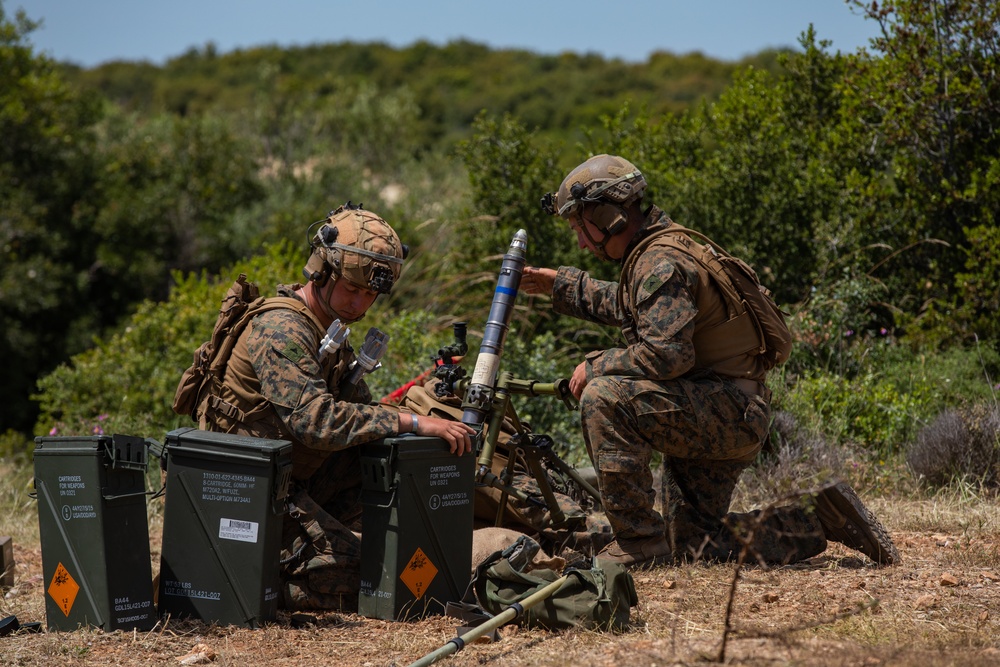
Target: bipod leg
(489, 479)
(549, 455)
(532, 458)
(504, 494)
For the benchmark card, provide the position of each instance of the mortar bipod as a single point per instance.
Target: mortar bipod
(524, 446)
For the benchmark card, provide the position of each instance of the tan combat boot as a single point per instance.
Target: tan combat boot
(846, 520)
(637, 553)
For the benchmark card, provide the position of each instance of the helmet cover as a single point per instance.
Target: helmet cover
(358, 246)
(607, 179)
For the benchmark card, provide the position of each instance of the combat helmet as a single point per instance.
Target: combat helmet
(603, 179)
(358, 246)
(609, 182)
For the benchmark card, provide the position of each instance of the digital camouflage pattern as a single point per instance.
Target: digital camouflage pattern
(275, 378)
(321, 544)
(708, 431)
(651, 395)
(276, 387)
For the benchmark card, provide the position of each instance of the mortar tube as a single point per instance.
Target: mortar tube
(480, 388)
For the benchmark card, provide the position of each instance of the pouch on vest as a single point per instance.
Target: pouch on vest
(235, 304)
(600, 598)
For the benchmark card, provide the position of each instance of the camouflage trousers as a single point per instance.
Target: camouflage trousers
(708, 432)
(321, 547)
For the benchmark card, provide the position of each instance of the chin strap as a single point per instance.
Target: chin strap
(598, 245)
(324, 303)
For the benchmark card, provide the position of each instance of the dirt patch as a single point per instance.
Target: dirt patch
(939, 607)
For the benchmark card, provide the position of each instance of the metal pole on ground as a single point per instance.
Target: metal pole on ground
(512, 612)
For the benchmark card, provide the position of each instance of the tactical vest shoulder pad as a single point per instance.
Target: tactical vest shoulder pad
(755, 327)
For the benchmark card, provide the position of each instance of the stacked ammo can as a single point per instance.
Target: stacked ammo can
(94, 532)
(225, 497)
(416, 544)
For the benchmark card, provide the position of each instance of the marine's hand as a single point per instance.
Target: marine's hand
(455, 433)
(579, 380)
(538, 281)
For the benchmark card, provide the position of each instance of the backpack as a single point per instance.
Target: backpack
(599, 598)
(241, 304)
(753, 314)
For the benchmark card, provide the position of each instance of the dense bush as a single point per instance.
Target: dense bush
(126, 383)
(874, 411)
(960, 444)
(862, 189)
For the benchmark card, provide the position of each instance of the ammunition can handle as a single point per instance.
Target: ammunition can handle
(392, 498)
(116, 496)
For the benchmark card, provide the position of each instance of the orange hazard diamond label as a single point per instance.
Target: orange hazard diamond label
(63, 589)
(418, 573)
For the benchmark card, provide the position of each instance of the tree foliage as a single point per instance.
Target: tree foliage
(450, 84)
(863, 187)
(47, 171)
(929, 108)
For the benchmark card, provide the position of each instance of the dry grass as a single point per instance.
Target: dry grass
(940, 607)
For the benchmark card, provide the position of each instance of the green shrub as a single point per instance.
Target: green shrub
(13, 445)
(844, 327)
(891, 394)
(955, 376)
(543, 359)
(414, 339)
(126, 383)
(876, 411)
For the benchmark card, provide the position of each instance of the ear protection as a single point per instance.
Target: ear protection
(612, 218)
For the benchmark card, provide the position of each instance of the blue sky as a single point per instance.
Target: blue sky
(89, 32)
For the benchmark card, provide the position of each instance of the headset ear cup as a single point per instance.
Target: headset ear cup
(317, 269)
(610, 217)
(617, 226)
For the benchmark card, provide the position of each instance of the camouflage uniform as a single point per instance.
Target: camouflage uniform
(276, 387)
(655, 395)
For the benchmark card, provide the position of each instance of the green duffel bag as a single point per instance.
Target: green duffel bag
(600, 598)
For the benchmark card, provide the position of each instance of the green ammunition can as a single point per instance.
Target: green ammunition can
(225, 499)
(416, 535)
(94, 533)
